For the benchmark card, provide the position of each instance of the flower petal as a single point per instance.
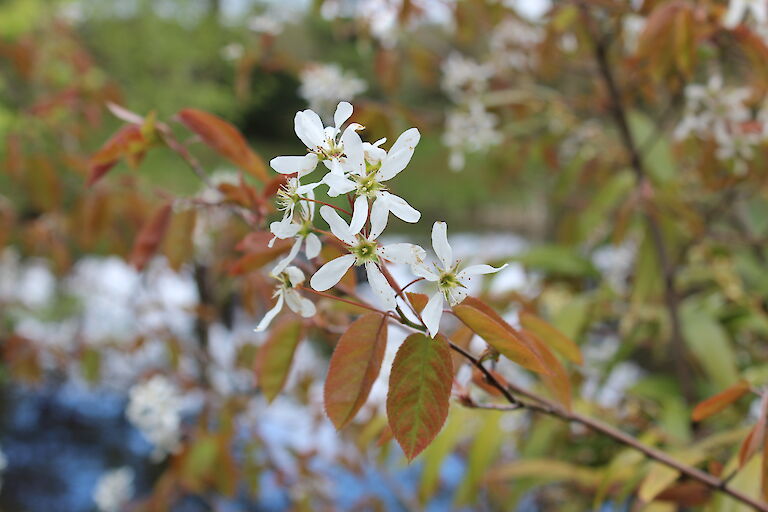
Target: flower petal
(380, 286)
(422, 270)
(271, 314)
(440, 244)
(480, 269)
(299, 304)
(400, 208)
(284, 229)
(339, 228)
(410, 254)
(353, 148)
(399, 155)
(313, 246)
(359, 215)
(289, 258)
(338, 184)
(295, 275)
(294, 164)
(331, 273)
(379, 217)
(309, 128)
(432, 313)
(343, 112)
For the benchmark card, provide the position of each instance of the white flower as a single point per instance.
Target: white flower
(471, 130)
(155, 409)
(712, 108)
(451, 282)
(322, 85)
(463, 75)
(114, 489)
(298, 224)
(323, 142)
(366, 176)
(286, 293)
(738, 9)
(511, 42)
(363, 250)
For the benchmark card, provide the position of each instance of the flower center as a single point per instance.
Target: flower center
(448, 280)
(368, 185)
(364, 251)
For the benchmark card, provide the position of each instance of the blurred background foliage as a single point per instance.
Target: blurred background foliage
(558, 196)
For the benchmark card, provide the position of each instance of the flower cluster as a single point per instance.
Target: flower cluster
(155, 408)
(113, 490)
(322, 85)
(471, 127)
(361, 171)
(720, 113)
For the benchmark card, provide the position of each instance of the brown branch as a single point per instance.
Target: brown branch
(542, 405)
(671, 298)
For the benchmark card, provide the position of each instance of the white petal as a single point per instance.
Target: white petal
(309, 128)
(359, 215)
(338, 184)
(440, 244)
(271, 314)
(339, 228)
(380, 286)
(422, 270)
(313, 246)
(480, 269)
(343, 112)
(331, 273)
(299, 304)
(379, 217)
(289, 258)
(400, 208)
(294, 164)
(405, 253)
(457, 294)
(399, 155)
(295, 275)
(353, 148)
(432, 313)
(284, 228)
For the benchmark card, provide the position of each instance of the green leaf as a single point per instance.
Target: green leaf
(557, 260)
(436, 452)
(552, 337)
(274, 358)
(483, 452)
(419, 391)
(709, 342)
(498, 334)
(354, 366)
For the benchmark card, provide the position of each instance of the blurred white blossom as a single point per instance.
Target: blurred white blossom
(155, 409)
(468, 131)
(324, 85)
(464, 76)
(512, 42)
(113, 490)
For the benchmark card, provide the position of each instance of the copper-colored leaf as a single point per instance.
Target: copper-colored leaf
(127, 143)
(150, 236)
(489, 326)
(225, 139)
(178, 246)
(274, 358)
(557, 380)
(354, 366)
(419, 392)
(756, 436)
(720, 401)
(552, 337)
(418, 300)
